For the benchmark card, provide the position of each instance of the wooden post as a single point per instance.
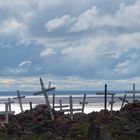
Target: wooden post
(105, 97)
(83, 103)
(6, 113)
(123, 101)
(44, 91)
(49, 86)
(105, 102)
(20, 101)
(31, 107)
(111, 103)
(60, 102)
(71, 107)
(53, 100)
(134, 92)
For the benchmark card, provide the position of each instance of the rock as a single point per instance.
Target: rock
(80, 117)
(97, 132)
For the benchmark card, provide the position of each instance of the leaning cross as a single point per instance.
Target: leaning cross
(123, 101)
(83, 103)
(105, 97)
(44, 91)
(19, 99)
(134, 91)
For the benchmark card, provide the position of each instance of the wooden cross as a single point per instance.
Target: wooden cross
(134, 91)
(60, 103)
(111, 103)
(6, 113)
(44, 91)
(83, 103)
(123, 101)
(9, 102)
(105, 97)
(71, 110)
(20, 101)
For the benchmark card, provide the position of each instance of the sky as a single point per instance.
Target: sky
(75, 44)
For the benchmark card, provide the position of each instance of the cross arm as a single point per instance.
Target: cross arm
(46, 90)
(104, 93)
(18, 98)
(131, 91)
(68, 110)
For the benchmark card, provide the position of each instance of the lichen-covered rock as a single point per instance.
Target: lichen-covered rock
(97, 132)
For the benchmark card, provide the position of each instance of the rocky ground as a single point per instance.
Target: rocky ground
(37, 125)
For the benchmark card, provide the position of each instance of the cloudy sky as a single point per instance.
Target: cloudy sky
(77, 44)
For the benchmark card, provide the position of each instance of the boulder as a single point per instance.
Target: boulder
(97, 132)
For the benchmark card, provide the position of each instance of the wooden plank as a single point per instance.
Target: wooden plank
(71, 107)
(19, 99)
(45, 90)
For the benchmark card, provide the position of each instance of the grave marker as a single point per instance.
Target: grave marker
(83, 103)
(105, 97)
(111, 103)
(19, 97)
(44, 91)
(123, 101)
(6, 113)
(71, 109)
(9, 102)
(60, 103)
(134, 91)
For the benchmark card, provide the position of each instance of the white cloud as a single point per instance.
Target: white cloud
(15, 71)
(57, 23)
(93, 18)
(126, 67)
(25, 63)
(11, 25)
(47, 52)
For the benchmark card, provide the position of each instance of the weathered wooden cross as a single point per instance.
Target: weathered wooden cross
(71, 110)
(105, 97)
(60, 103)
(19, 97)
(134, 91)
(44, 91)
(123, 101)
(83, 103)
(9, 102)
(111, 103)
(6, 112)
